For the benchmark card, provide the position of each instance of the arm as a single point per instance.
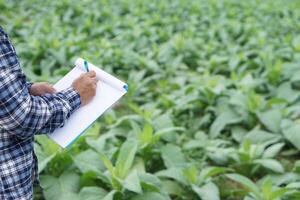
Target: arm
(23, 114)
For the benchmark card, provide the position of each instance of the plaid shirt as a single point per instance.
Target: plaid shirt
(21, 117)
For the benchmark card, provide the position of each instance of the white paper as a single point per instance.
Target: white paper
(109, 90)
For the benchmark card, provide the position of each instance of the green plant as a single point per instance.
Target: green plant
(213, 88)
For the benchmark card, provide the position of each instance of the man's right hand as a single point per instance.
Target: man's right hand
(86, 86)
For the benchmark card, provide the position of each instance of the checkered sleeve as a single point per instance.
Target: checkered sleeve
(28, 84)
(23, 114)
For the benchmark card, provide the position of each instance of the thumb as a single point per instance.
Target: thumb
(50, 89)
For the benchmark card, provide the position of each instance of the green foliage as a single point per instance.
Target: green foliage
(266, 192)
(214, 89)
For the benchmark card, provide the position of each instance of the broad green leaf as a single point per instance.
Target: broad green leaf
(90, 178)
(290, 70)
(286, 92)
(64, 187)
(146, 136)
(273, 150)
(163, 121)
(208, 191)
(93, 130)
(132, 182)
(297, 167)
(285, 178)
(295, 185)
(149, 196)
(221, 121)
(107, 163)
(257, 136)
(296, 43)
(113, 195)
(89, 161)
(168, 130)
(124, 118)
(246, 182)
(191, 174)
(150, 182)
(295, 79)
(211, 171)
(172, 156)
(173, 188)
(99, 144)
(274, 72)
(255, 101)
(271, 164)
(271, 120)
(43, 158)
(92, 193)
(125, 158)
(238, 133)
(291, 133)
(239, 100)
(139, 165)
(173, 173)
(43, 164)
(49, 147)
(279, 193)
(267, 188)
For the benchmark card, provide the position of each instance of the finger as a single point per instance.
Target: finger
(53, 89)
(50, 89)
(95, 80)
(91, 74)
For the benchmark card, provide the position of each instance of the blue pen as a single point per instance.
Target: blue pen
(86, 65)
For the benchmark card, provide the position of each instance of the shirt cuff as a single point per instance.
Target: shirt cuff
(73, 98)
(28, 85)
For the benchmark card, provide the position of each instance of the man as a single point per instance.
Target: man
(25, 110)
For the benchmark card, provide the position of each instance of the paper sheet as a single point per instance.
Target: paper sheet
(109, 90)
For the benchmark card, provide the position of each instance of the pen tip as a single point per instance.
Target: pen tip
(86, 65)
(125, 87)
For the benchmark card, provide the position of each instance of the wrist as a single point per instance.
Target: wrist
(73, 97)
(28, 85)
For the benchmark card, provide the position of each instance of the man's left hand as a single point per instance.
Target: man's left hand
(39, 89)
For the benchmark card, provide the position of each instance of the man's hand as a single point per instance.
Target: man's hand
(86, 86)
(39, 89)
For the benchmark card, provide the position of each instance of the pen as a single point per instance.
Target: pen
(86, 65)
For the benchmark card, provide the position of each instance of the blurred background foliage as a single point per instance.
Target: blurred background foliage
(213, 107)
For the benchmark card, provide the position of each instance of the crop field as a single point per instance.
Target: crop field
(213, 108)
